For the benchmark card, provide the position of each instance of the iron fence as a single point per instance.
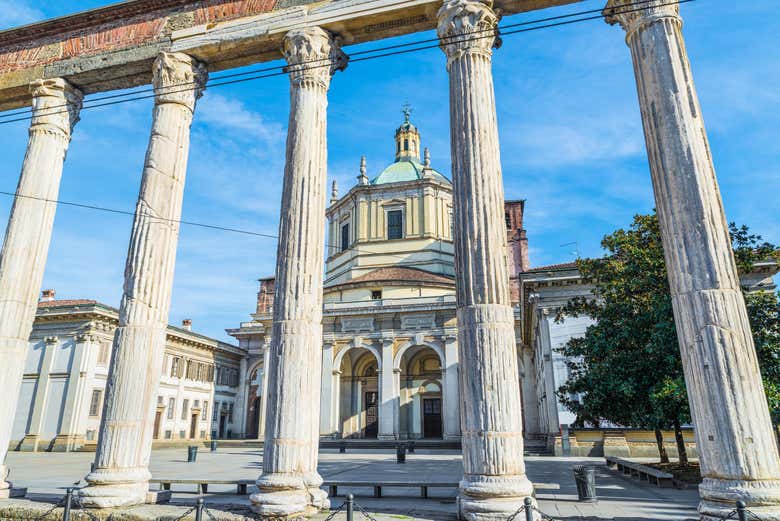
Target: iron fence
(71, 511)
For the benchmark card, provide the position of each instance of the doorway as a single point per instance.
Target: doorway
(157, 421)
(222, 425)
(193, 426)
(432, 425)
(372, 427)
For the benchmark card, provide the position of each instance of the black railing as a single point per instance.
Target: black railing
(71, 511)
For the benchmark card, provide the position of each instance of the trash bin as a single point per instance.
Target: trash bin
(585, 478)
(213, 445)
(192, 453)
(342, 447)
(400, 453)
(411, 447)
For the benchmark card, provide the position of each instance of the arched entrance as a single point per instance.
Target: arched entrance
(254, 402)
(421, 411)
(359, 393)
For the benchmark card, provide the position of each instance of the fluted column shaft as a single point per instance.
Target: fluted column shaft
(289, 485)
(121, 472)
(494, 482)
(734, 436)
(56, 105)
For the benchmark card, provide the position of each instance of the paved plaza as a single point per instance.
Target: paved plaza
(620, 498)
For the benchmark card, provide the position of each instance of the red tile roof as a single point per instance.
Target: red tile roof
(561, 266)
(402, 274)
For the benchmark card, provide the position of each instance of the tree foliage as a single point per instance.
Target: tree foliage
(627, 369)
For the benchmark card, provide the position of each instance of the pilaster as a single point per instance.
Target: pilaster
(56, 105)
(388, 410)
(494, 483)
(289, 484)
(737, 447)
(121, 472)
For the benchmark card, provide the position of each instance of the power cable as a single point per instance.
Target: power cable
(179, 221)
(283, 69)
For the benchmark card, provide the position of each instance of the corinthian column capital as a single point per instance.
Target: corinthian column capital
(467, 26)
(56, 105)
(632, 17)
(178, 78)
(313, 56)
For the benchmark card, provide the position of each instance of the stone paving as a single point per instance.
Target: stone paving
(620, 498)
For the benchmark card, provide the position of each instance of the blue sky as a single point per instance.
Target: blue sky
(571, 139)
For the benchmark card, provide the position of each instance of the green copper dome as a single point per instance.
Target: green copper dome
(406, 170)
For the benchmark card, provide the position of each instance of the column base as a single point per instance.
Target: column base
(289, 496)
(67, 443)
(158, 497)
(493, 498)
(387, 437)
(719, 498)
(29, 443)
(110, 489)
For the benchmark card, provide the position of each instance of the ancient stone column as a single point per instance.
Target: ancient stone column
(121, 471)
(289, 485)
(56, 105)
(736, 444)
(494, 482)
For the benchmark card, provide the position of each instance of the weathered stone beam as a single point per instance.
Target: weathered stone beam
(113, 47)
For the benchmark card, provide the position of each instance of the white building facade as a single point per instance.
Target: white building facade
(63, 389)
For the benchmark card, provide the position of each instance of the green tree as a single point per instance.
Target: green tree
(627, 368)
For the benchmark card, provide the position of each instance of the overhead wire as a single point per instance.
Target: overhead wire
(379, 52)
(177, 221)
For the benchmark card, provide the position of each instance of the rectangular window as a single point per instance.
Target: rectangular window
(196, 405)
(216, 411)
(182, 435)
(185, 405)
(171, 407)
(104, 350)
(91, 435)
(344, 237)
(376, 294)
(94, 404)
(168, 435)
(395, 224)
(205, 409)
(175, 366)
(230, 413)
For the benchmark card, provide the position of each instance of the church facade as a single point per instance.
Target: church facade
(390, 342)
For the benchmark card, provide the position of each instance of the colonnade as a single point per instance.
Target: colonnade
(739, 457)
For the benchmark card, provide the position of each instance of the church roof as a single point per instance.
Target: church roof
(405, 170)
(396, 275)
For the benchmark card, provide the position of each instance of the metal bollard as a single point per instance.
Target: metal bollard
(529, 509)
(192, 453)
(68, 500)
(741, 511)
(410, 445)
(213, 445)
(350, 507)
(199, 509)
(342, 447)
(400, 453)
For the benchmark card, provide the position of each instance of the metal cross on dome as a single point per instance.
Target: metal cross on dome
(407, 111)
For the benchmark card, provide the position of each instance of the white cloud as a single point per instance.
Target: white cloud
(17, 12)
(230, 114)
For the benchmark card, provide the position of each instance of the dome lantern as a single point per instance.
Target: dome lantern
(407, 138)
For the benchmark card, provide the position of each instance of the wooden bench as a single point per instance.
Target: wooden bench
(643, 472)
(202, 485)
(333, 486)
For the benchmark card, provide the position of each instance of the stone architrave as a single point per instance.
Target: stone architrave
(121, 472)
(289, 484)
(56, 105)
(494, 483)
(734, 436)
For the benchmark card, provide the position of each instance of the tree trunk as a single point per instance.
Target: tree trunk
(659, 439)
(678, 436)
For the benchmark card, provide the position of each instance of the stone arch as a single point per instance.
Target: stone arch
(417, 343)
(373, 350)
